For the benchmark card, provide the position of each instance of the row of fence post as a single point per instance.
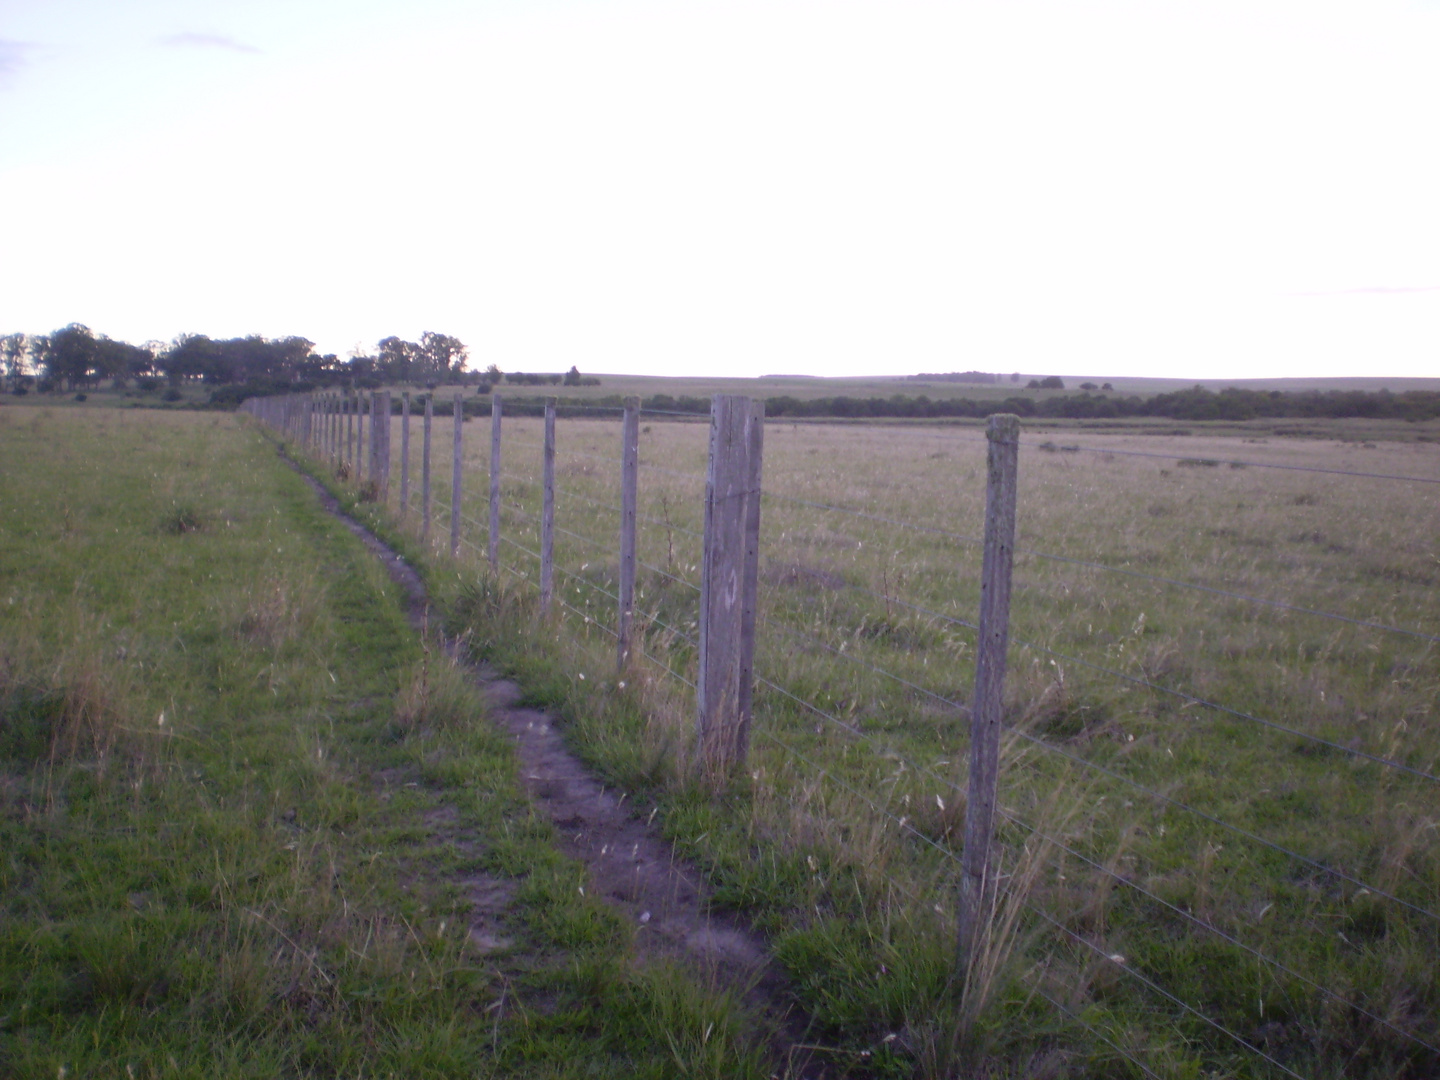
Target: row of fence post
(729, 570)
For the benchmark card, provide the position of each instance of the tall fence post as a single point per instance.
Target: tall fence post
(977, 879)
(404, 454)
(629, 476)
(359, 436)
(384, 442)
(728, 578)
(492, 539)
(547, 513)
(425, 470)
(349, 434)
(455, 478)
(373, 471)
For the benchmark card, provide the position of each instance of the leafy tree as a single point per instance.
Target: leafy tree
(443, 356)
(400, 360)
(119, 360)
(13, 350)
(572, 377)
(68, 356)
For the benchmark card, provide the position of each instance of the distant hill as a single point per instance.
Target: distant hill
(957, 376)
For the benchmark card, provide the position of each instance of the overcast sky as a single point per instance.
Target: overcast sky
(1190, 188)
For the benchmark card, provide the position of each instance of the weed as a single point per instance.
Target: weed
(180, 519)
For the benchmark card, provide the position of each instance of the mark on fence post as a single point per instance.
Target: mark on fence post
(455, 478)
(977, 879)
(629, 472)
(728, 578)
(425, 472)
(404, 454)
(492, 539)
(385, 448)
(547, 513)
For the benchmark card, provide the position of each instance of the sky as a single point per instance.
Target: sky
(1182, 188)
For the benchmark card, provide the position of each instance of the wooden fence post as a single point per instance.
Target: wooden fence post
(404, 454)
(384, 441)
(492, 539)
(373, 472)
(349, 434)
(425, 471)
(629, 476)
(728, 578)
(455, 478)
(359, 436)
(547, 513)
(977, 879)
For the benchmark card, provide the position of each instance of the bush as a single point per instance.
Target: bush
(172, 395)
(79, 397)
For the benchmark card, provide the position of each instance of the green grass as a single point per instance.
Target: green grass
(244, 814)
(808, 841)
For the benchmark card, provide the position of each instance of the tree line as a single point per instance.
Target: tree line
(75, 358)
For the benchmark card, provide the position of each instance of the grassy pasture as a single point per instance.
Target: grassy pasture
(246, 812)
(1148, 882)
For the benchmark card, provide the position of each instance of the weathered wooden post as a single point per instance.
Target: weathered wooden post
(384, 405)
(629, 477)
(404, 454)
(977, 879)
(349, 434)
(455, 479)
(373, 471)
(493, 538)
(425, 471)
(359, 436)
(547, 513)
(728, 577)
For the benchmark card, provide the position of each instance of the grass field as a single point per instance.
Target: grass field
(253, 888)
(246, 811)
(1242, 890)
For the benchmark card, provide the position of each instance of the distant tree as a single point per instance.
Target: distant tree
(443, 356)
(572, 377)
(1015, 378)
(1106, 386)
(493, 373)
(121, 361)
(13, 350)
(1088, 386)
(399, 360)
(69, 356)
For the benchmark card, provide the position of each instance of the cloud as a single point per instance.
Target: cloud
(207, 41)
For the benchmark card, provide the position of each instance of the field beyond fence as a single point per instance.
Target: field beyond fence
(1218, 802)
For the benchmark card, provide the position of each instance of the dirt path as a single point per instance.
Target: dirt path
(629, 863)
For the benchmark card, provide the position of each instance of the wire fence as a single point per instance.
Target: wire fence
(1239, 872)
